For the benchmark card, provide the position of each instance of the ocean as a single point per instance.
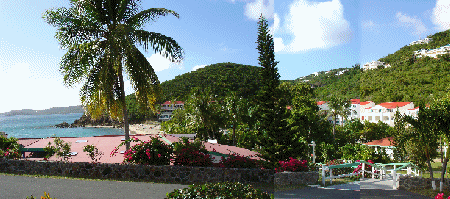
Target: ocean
(42, 126)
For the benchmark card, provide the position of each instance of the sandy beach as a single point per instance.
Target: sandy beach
(145, 129)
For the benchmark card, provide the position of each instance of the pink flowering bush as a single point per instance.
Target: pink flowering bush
(9, 148)
(367, 168)
(188, 153)
(238, 161)
(293, 165)
(440, 196)
(152, 152)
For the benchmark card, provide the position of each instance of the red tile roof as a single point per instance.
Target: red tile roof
(355, 101)
(394, 104)
(321, 102)
(107, 143)
(170, 102)
(413, 108)
(365, 103)
(388, 141)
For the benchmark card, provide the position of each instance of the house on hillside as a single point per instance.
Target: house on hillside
(374, 65)
(167, 109)
(385, 112)
(433, 53)
(421, 41)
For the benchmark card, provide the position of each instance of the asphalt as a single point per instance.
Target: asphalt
(23, 186)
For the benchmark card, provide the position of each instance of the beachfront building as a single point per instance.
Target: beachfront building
(421, 41)
(433, 53)
(385, 112)
(374, 65)
(167, 109)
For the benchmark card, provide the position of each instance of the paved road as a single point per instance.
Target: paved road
(13, 187)
(16, 187)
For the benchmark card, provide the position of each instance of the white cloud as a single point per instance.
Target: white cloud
(314, 25)
(368, 24)
(159, 63)
(411, 22)
(254, 9)
(276, 24)
(441, 15)
(197, 67)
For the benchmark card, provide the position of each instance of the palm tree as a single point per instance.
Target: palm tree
(101, 38)
(338, 107)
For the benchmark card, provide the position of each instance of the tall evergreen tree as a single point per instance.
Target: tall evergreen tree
(273, 136)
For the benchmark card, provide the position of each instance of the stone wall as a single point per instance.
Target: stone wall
(164, 174)
(412, 183)
(292, 178)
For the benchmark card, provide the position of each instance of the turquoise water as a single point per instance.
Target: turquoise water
(41, 126)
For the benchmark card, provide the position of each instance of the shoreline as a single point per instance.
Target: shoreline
(135, 129)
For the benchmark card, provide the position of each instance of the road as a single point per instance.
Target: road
(13, 187)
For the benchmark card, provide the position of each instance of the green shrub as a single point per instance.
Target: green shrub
(9, 148)
(93, 152)
(60, 148)
(152, 152)
(226, 190)
(191, 154)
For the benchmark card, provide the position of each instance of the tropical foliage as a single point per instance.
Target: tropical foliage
(219, 79)
(9, 148)
(219, 190)
(101, 39)
(191, 154)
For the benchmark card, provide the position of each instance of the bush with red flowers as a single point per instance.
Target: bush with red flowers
(293, 165)
(9, 148)
(238, 161)
(367, 168)
(188, 153)
(152, 152)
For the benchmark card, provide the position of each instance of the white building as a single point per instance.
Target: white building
(167, 108)
(354, 111)
(315, 73)
(421, 41)
(432, 52)
(385, 112)
(374, 65)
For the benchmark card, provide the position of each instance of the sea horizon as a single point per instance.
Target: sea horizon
(43, 126)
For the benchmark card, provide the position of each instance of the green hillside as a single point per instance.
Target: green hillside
(342, 82)
(219, 78)
(409, 78)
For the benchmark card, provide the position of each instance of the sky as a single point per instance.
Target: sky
(309, 36)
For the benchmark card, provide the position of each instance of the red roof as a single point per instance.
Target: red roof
(321, 102)
(389, 141)
(355, 101)
(394, 104)
(170, 102)
(413, 108)
(365, 103)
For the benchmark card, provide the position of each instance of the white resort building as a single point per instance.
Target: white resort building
(421, 41)
(374, 65)
(385, 112)
(354, 111)
(167, 108)
(432, 52)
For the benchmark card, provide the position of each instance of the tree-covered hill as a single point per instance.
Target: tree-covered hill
(342, 82)
(409, 78)
(218, 78)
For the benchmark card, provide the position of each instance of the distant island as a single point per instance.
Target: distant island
(53, 110)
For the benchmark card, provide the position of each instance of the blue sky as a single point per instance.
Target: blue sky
(309, 36)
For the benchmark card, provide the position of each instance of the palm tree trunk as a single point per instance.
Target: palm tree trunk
(124, 109)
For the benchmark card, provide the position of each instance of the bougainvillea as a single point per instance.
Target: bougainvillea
(9, 148)
(367, 168)
(188, 153)
(238, 161)
(293, 165)
(152, 152)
